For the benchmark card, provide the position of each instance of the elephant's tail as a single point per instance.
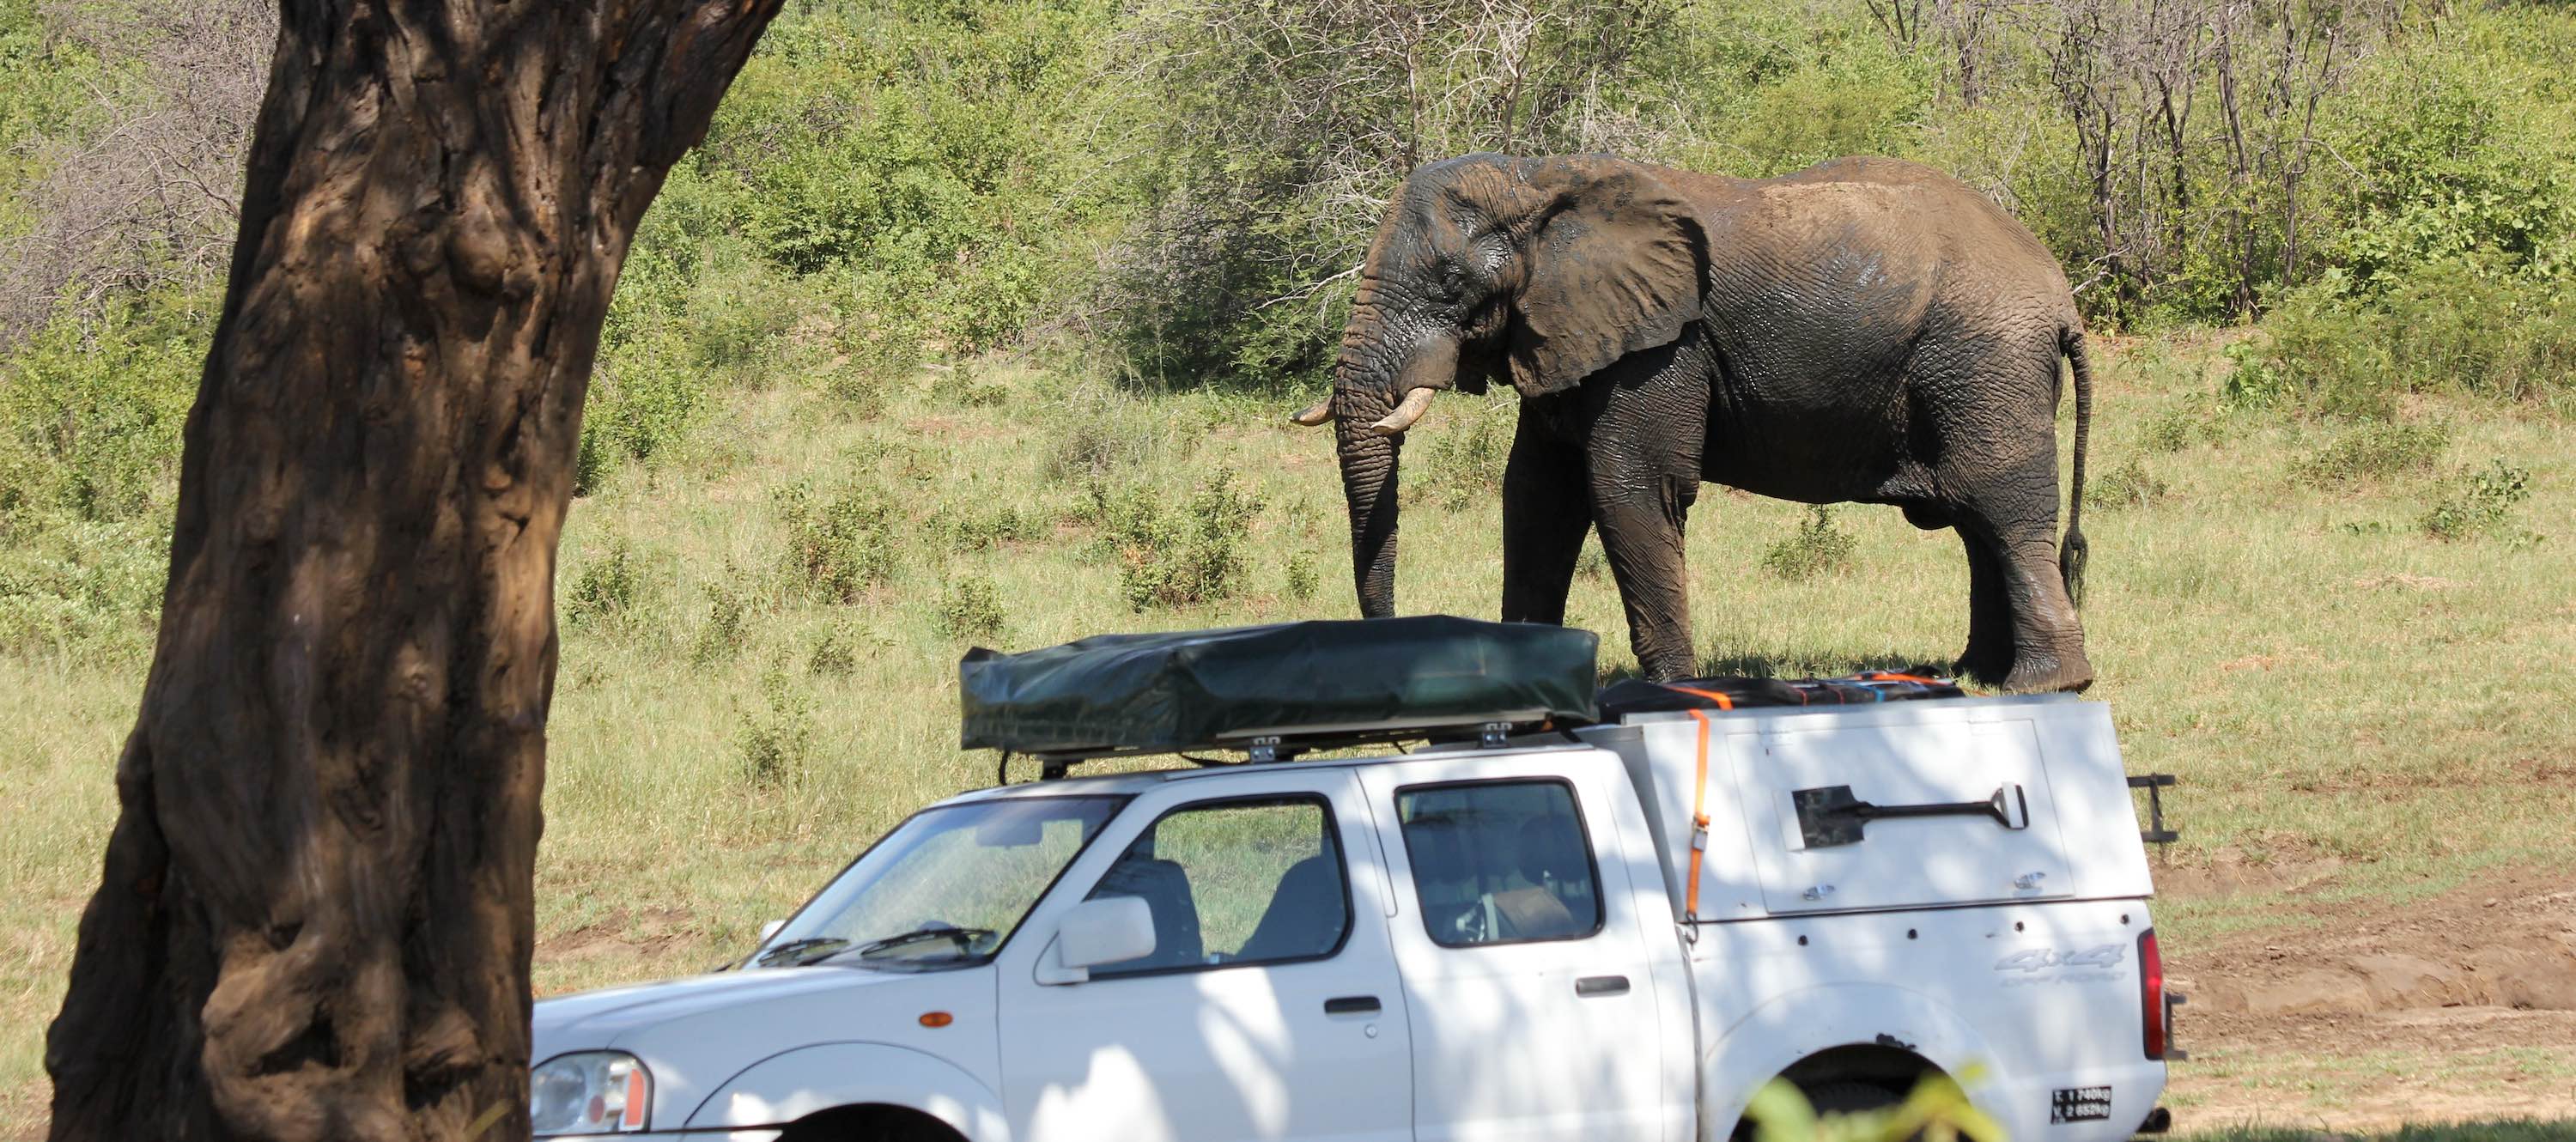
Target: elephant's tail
(2070, 555)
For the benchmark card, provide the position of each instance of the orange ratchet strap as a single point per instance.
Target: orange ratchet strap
(1699, 797)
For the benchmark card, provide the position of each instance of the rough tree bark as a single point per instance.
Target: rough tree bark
(315, 919)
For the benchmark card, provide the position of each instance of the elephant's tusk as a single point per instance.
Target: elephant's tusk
(1313, 414)
(1415, 404)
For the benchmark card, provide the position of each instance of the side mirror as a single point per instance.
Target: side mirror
(1106, 931)
(770, 929)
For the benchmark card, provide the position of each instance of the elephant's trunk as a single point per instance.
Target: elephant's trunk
(1369, 463)
(1378, 392)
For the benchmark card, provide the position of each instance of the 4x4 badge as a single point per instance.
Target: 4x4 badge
(2041, 959)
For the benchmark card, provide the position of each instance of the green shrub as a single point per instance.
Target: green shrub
(1464, 464)
(2374, 451)
(2258, 379)
(1170, 558)
(82, 589)
(1100, 433)
(1820, 547)
(841, 543)
(2130, 485)
(609, 592)
(965, 529)
(1301, 577)
(836, 650)
(2481, 502)
(2449, 326)
(971, 608)
(645, 396)
(91, 410)
(727, 628)
(776, 741)
(1937, 1108)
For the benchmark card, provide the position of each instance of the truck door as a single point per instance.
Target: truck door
(1526, 977)
(1269, 1007)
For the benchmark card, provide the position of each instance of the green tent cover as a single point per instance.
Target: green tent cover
(1309, 680)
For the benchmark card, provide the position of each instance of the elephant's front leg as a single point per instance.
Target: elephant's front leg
(1547, 509)
(1644, 455)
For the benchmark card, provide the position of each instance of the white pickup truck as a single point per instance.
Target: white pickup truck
(1505, 939)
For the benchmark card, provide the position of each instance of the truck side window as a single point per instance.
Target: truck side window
(1500, 862)
(1233, 883)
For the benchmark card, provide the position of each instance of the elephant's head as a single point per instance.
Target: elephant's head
(1540, 271)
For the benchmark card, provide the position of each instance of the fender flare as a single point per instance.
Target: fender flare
(792, 1084)
(1787, 1028)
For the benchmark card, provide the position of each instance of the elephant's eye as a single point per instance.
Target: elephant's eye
(1453, 282)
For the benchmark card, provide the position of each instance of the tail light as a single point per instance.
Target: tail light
(2151, 993)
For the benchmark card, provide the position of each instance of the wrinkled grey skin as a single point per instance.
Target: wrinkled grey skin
(1864, 330)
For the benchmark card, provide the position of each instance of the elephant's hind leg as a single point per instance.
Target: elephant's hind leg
(1989, 656)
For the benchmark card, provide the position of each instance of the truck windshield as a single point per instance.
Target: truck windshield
(945, 888)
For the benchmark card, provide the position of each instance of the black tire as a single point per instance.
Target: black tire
(1846, 1096)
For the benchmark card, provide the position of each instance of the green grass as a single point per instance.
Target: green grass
(2506, 1131)
(2328, 680)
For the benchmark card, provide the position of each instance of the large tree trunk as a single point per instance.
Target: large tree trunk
(315, 920)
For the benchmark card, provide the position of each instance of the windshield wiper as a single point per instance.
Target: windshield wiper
(800, 952)
(963, 936)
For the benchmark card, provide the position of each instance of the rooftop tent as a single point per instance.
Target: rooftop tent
(1310, 681)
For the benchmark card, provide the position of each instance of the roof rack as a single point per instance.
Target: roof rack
(1275, 692)
(1291, 744)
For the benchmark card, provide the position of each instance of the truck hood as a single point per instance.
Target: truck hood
(696, 1033)
(597, 1018)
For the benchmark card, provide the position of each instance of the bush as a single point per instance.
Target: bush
(971, 609)
(2448, 327)
(776, 741)
(1176, 558)
(1820, 547)
(2374, 451)
(966, 530)
(91, 410)
(82, 589)
(609, 592)
(836, 651)
(2130, 485)
(838, 544)
(728, 625)
(2481, 502)
(1100, 433)
(645, 397)
(1301, 577)
(1464, 463)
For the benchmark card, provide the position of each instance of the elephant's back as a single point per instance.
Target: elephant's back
(1929, 241)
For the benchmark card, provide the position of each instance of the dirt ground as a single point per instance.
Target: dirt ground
(2364, 1015)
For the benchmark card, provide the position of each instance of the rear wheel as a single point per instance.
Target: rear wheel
(1851, 1097)
(1847, 1097)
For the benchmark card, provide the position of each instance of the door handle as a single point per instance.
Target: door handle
(1351, 1005)
(1601, 985)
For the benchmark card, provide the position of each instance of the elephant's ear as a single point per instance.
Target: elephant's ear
(1613, 268)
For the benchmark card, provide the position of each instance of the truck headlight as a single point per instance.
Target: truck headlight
(590, 1092)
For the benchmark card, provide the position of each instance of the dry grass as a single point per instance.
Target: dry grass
(2328, 681)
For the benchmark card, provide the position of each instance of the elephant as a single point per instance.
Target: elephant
(1864, 330)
